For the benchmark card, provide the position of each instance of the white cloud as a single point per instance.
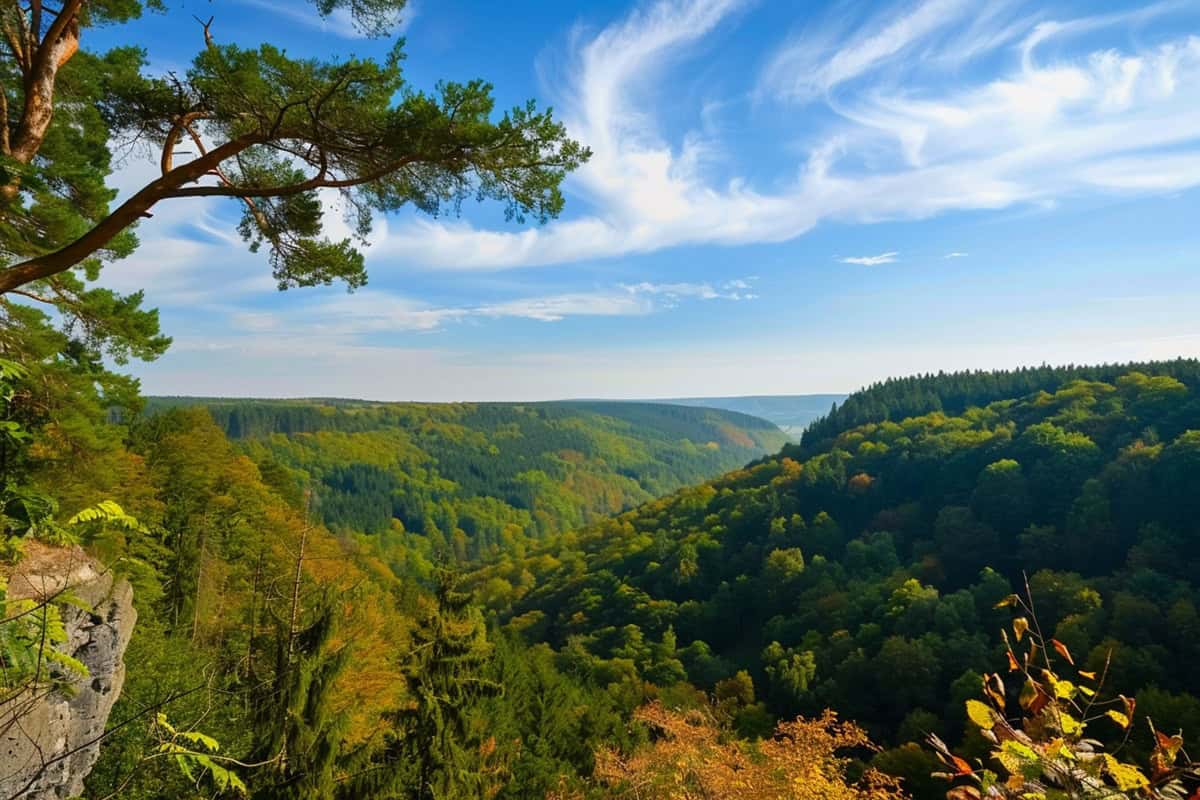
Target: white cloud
(956, 254)
(340, 23)
(871, 261)
(554, 308)
(902, 142)
(813, 64)
(350, 317)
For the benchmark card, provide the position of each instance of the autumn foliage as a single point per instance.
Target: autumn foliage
(1041, 748)
(693, 758)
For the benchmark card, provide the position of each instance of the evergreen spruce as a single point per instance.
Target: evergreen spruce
(299, 735)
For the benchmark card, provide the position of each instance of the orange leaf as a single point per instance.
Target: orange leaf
(1063, 651)
(962, 766)
(1039, 702)
(1013, 666)
(1169, 743)
(1091, 676)
(1166, 749)
(1130, 705)
(993, 687)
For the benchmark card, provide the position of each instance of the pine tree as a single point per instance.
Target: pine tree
(446, 676)
(299, 734)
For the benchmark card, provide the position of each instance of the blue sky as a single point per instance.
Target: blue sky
(785, 197)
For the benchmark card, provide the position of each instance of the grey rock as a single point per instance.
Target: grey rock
(50, 742)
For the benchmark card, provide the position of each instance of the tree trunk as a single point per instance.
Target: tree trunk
(61, 42)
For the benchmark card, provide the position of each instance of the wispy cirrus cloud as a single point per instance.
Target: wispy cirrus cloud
(352, 316)
(340, 22)
(815, 63)
(956, 254)
(1062, 115)
(871, 261)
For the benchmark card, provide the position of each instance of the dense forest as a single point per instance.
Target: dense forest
(901, 397)
(870, 577)
(464, 482)
(863, 574)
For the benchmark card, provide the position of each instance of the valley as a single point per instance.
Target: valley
(792, 413)
(972, 573)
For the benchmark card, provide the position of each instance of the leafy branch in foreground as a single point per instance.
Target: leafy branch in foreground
(1044, 753)
(196, 755)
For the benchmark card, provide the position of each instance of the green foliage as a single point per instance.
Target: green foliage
(31, 635)
(32, 631)
(299, 735)
(447, 676)
(863, 576)
(436, 749)
(895, 399)
(471, 482)
(281, 129)
(910, 531)
(196, 756)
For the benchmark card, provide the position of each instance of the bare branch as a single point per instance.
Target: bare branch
(4, 146)
(208, 37)
(180, 124)
(40, 299)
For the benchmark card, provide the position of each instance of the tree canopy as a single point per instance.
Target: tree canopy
(264, 129)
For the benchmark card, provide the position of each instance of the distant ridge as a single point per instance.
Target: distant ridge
(791, 412)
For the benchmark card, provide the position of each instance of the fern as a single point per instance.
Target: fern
(197, 761)
(106, 512)
(30, 637)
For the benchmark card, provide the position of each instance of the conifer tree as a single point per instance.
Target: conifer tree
(299, 734)
(435, 752)
(446, 675)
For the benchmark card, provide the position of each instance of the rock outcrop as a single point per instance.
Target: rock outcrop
(50, 742)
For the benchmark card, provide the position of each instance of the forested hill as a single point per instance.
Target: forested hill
(475, 479)
(791, 412)
(954, 392)
(864, 576)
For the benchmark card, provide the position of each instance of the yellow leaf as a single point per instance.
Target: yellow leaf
(1011, 600)
(1091, 676)
(1126, 776)
(1015, 756)
(981, 715)
(1118, 717)
(1068, 724)
(1020, 625)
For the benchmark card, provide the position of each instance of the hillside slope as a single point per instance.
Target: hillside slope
(862, 574)
(478, 479)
